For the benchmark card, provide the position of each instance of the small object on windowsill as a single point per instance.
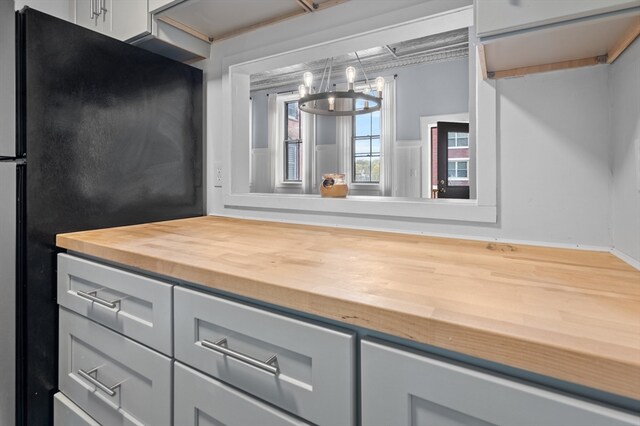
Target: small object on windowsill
(334, 185)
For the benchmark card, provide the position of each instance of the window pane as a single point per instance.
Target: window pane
(463, 139)
(375, 146)
(362, 146)
(375, 169)
(293, 121)
(462, 173)
(292, 161)
(362, 169)
(375, 123)
(359, 104)
(362, 125)
(451, 139)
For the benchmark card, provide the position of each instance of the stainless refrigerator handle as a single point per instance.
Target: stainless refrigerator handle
(103, 5)
(109, 390)
(92, 297)
(93, 12)
(96, 7)
(270, 365)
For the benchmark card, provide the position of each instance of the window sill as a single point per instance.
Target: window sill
(452, 210)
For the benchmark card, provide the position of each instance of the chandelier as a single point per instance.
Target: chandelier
(328, 102)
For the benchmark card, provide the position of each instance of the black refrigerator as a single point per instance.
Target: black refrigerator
(94, 133)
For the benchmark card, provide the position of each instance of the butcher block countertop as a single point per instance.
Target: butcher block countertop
(570, 314)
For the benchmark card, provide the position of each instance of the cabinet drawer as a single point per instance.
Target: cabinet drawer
(315, 377)
(66, 413)
(202, 401)
(403, 387)
(131, 304)
(114, 379)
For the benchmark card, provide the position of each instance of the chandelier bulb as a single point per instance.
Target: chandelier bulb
(308, 79)
(302, 90)
(332, 103)
(379, 85)
(351, 76)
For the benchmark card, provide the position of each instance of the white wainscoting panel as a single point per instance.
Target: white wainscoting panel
(407, 170)
(260, 170)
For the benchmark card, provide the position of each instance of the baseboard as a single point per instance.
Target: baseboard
(626, 258)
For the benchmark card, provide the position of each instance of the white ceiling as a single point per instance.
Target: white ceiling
(439, 47)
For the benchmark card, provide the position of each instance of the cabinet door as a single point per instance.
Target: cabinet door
(83, 14)
(242, 345)
(404, 387)
(113, 379)
(126, 19)
(200, 400)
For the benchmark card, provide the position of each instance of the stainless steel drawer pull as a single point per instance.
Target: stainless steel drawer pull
(270, 365)
(92, 297)
(88, 376)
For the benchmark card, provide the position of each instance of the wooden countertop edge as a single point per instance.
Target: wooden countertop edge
(587, 369)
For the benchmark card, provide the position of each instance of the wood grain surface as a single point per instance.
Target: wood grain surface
(570, 314)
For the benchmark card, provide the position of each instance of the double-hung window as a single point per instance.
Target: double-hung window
(292, 143)
(366, 147)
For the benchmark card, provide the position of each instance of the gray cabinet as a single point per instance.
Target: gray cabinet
(403, 387)
(134, 305)
(113, 379)
(202, 401)
(298, 366)
(66, 413)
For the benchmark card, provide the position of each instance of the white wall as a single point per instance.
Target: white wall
(58, 8)
(553, 176)
(624, 80)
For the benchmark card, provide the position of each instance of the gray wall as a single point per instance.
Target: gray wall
(421, 90)
(624, 78)
(430, 89)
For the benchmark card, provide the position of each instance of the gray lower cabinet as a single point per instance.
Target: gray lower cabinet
(131, 304)
(301, 367)
(66, 413)
(404, 387)
(203, 401)
(113, 379)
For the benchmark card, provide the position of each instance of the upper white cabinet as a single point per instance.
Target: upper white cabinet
(501, 16)
(133, 21)
(529, 36)
(121, 19)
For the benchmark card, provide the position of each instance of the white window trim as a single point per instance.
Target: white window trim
(482, 132)
(308, 140)
(344, 138)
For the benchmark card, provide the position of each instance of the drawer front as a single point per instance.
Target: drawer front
(203, 401)
(133, 305)
(403, 387)
(114, 379)
(315, 364)
(66, 413)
